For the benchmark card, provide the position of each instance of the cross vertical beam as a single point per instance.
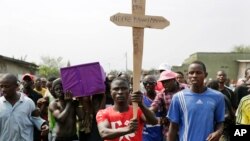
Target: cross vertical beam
(138, 20)
(138, 8)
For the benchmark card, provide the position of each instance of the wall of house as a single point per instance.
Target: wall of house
(14, 68)
(242, 68)
(217, 61)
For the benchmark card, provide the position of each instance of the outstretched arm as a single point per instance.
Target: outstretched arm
(106, 132)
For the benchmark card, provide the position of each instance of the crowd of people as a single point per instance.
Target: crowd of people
(173, 106)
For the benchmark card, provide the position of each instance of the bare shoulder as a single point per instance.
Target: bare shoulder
(53, 105)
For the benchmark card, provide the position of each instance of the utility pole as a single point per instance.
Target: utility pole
(126, 61)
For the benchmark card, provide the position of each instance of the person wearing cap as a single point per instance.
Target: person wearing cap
(164, 97)
(163, 67)
(18, 113)
(196, 113)
(28, 84)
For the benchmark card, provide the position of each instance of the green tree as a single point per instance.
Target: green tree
(241, 49)
(50, 66)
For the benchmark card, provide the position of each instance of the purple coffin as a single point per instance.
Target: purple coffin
(83, 80)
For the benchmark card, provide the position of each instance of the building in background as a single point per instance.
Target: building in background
(234, 64)
(16, 67)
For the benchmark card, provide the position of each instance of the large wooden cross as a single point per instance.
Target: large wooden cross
(138, 20)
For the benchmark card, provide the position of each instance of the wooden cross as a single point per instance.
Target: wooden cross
(138, 21)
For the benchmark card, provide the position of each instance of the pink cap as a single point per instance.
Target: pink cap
(166, 75)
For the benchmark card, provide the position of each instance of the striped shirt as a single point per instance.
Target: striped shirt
(243, 111)
(196, 114)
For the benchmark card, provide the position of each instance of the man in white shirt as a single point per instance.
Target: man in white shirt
(18, 113)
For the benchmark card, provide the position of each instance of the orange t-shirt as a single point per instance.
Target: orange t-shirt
(117, 120)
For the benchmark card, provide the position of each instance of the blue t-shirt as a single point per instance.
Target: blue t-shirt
(152, 132)
(196, 114)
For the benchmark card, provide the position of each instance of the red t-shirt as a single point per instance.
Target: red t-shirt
(117, 120)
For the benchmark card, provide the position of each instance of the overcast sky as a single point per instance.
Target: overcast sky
(80, 30)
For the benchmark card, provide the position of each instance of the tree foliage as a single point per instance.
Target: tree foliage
(241, 49)
(50, 66)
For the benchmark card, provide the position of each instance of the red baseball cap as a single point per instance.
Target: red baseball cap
(27, 75)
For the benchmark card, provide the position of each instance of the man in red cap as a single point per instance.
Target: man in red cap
(28, 82)
(163, 67)
(163, 98)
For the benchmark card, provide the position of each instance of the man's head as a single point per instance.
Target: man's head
(247, 74)
(120, 90)
(38, 83)
(43, 82)
(57, 88)
(180, 77)
(28, 81)
(49, 83)
(221, 76)
(111, 77)
(197, 73)
(149, 83)
(8, 85)
(168, 80)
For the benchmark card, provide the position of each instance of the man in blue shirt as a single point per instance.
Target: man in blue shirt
(196, 112)
(152, 132)
(17, 113)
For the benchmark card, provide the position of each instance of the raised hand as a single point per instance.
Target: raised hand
(133, 125)
(137, 97)
(68, 96)
(44, 130)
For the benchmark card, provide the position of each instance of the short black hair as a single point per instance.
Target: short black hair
(52, 78)
(200, 63)
(179, 72)
(10, 77)
(121, 79)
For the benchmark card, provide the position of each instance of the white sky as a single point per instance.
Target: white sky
(80, 30)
